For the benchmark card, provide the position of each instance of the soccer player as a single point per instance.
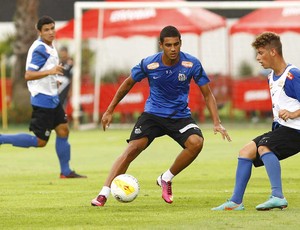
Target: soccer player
(284, 139)
(166, 110)
(42, 69)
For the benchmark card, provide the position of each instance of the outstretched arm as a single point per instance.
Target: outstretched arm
(120, 94)
(212, 107)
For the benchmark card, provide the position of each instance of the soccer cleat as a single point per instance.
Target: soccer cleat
(73, 174)
(273, 202)
(100, 200)
(166, 187)
(229, 206)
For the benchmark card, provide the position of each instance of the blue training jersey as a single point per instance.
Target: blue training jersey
(169, 85)
(44, 91)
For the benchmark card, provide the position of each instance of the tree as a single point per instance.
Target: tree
(26, 15)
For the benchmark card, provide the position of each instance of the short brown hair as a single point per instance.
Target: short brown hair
(269, 40)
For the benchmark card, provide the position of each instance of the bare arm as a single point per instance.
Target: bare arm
(34, 75)
(213, 110)
(120, 94)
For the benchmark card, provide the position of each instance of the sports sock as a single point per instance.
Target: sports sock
(63, 151)
(243, 173)
(273, 169)
(105, 191)
(19, 140)
(167, 176)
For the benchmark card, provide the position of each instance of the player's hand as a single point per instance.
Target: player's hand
(219, 128)
(285, 114)
(106, 120)
(57, 70)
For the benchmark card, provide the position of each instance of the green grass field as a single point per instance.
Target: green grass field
(33, 197)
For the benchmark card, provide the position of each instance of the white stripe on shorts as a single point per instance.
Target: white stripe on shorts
(189, 126)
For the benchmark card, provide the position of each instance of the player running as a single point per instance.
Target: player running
(42, 68)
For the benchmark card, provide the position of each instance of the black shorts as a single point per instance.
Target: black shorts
(152, 126)
(44, 120)
(283, 142)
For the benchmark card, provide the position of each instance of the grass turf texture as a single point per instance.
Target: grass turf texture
(33, 197)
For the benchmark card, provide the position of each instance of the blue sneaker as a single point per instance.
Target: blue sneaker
(229, 206)
(273, 202)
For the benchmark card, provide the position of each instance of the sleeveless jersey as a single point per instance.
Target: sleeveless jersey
(42, 57)
(283, 95)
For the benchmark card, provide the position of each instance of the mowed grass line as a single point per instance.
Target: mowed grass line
(33, 197)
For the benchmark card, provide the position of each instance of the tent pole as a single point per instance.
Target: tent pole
(76, 82)
(230, 51)
(98, 67)
(200, 53)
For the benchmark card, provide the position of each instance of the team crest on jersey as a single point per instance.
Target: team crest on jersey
(290, 76)
(153, 65)
(181, 77)
(187, 64)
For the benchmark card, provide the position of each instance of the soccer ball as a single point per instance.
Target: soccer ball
(125, 188)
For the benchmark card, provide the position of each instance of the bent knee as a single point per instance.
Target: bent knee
(62, 130)
(248, 152)
(41, 143)
(262, 150)
(194, 143)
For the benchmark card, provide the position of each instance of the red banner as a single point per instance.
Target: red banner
(251, 94)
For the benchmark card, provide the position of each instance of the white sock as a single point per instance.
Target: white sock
(105, 191)
(167, 176)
